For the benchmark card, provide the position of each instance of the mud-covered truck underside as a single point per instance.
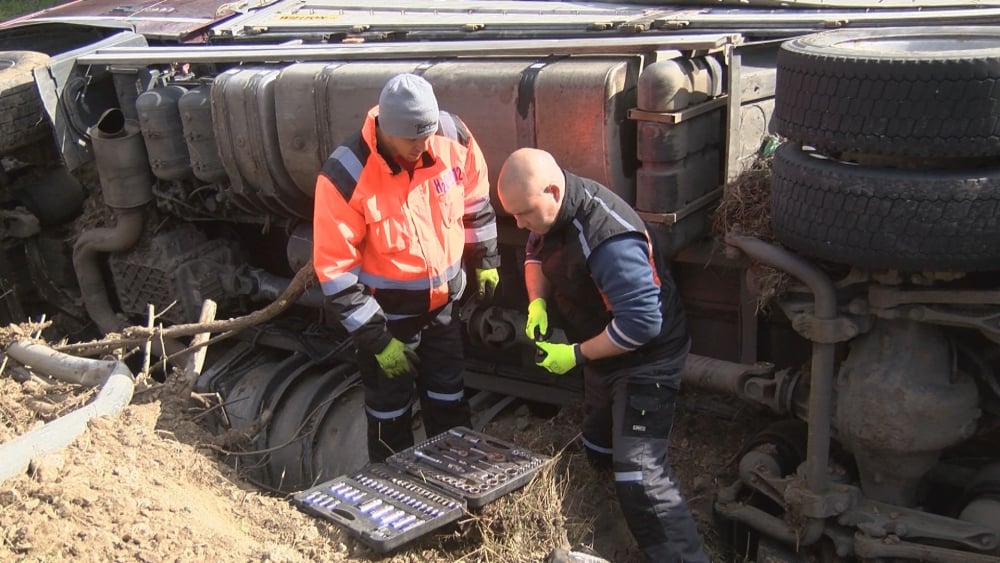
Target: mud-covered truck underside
(150, 169)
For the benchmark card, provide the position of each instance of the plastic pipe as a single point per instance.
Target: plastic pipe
(115, 395)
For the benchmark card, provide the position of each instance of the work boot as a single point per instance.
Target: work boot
(578, 554)
(386, 437)
(440, 416)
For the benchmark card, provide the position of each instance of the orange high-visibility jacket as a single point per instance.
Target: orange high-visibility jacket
(387, 246)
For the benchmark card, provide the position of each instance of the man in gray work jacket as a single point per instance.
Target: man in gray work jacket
(590, 257)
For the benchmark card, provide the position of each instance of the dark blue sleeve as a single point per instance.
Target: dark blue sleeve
(621, 269)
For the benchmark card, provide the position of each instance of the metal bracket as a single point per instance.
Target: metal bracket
(825, 331)
(674, 217)
(878, 520)
(838, 499)
(984, 319)
(884, 297)
(678, 116)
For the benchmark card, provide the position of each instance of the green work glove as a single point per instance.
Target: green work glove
(488, 280)
(558, 358)
(538, 320)
(395, 358)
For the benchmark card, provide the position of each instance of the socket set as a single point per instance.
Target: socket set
(422, 487)
(470, 464)
(381, 506)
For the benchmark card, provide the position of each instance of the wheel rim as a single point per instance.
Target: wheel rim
(926, 44)
(893, 43)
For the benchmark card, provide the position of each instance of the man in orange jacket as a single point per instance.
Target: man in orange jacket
(399, 208)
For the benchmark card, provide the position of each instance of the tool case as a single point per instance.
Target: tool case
(421, 488)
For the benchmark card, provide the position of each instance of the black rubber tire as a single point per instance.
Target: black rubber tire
(908, 92)
(880, 218)
(22, 119)
(54, 196)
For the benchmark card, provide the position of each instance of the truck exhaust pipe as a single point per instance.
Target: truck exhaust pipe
(126, 186)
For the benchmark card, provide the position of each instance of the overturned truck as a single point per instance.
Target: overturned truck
(157, 166)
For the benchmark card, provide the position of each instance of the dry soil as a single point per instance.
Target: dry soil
(149, 486)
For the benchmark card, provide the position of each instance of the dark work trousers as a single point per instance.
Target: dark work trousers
(629, 414)
(439, 381)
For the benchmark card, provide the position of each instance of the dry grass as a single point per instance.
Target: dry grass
(525, 526)
(745, 208)
(746, 203)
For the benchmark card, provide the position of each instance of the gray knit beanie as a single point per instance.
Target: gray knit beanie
(407, 107)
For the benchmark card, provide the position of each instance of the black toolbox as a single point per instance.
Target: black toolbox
(421, 488)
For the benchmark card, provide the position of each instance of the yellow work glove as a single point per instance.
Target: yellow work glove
(558, 358)
(488, 281)
(538, 320)
(395, 358)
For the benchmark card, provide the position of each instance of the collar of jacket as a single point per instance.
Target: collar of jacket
(573, 200)
(368, 133)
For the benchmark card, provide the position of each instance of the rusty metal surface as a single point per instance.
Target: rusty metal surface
(168, 20)
(394, 20)
(475, 16)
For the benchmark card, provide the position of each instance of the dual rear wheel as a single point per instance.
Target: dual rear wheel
(894, 138)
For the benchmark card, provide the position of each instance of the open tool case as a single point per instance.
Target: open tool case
(421, 488)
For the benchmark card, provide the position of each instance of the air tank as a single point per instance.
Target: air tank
(196, 119)
(160, 120)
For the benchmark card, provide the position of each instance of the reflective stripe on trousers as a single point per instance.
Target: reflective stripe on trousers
(630, 412)
(439, 381)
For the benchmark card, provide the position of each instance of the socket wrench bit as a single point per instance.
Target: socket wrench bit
(497, 461)
(489, 474)
(370, 505)
(380, 512)
(403, 522)
(392, 517)
(445, 467)
(328, 502)
(412, 525)
(487, 445)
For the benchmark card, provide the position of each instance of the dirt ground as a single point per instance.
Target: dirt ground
(146, 486)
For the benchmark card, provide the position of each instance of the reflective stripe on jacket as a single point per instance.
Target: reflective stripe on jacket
(388, 246)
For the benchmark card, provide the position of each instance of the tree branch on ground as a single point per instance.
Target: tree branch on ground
(136, 335)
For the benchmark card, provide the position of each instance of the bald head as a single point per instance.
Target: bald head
(531, 188)
(527, 171)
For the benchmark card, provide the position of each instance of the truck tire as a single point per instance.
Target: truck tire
(22, 120)
(882, 219)
(907, 92)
